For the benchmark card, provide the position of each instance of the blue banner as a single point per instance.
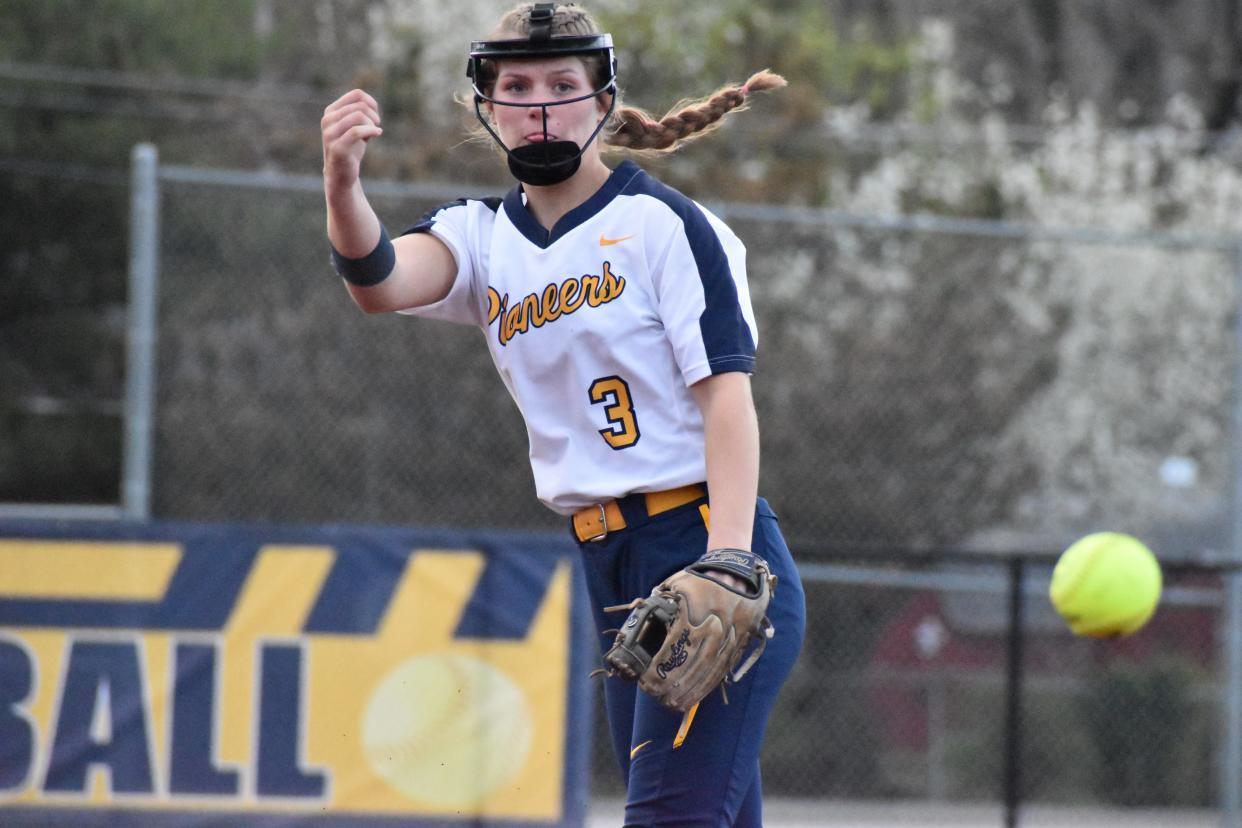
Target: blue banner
(186, 674)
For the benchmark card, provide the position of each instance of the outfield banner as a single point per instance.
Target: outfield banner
(177, 674)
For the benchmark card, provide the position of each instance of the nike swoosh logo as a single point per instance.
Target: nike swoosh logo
(635, 751)
(603, 242)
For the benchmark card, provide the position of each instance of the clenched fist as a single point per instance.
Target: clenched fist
(348, 124)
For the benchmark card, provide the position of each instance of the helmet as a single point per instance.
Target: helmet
(547, 162)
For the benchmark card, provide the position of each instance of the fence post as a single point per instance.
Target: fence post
(1013, 696)
(1231, 750)
(144, 217)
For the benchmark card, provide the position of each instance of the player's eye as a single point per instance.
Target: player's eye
(563, 86)
(513, 86)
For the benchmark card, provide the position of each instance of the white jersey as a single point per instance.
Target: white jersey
(599, 327)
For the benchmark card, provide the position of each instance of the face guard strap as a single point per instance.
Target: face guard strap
(541, 22)
(548, 162)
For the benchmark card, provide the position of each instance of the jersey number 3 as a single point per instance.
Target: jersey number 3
(614, 392)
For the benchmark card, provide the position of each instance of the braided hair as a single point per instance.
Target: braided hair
(631, 128)
(639, 131)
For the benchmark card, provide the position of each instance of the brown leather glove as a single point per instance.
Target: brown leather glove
(687, 637)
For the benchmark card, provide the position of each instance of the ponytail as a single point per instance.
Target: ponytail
(638, 131)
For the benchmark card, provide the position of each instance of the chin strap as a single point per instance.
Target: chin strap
(545, 163)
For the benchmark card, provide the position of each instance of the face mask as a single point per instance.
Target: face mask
(546, 162)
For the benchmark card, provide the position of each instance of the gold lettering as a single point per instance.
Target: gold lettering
(551, 311)
(495, 304)
(571, 296)
(590, 286)
(613, 284)
(554, 301)
(514, 324)
(530, 311)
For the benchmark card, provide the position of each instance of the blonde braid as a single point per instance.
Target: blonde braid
(637, 130)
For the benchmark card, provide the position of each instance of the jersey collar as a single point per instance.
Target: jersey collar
(525, 221)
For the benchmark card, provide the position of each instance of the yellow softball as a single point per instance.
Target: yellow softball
(1106, 584)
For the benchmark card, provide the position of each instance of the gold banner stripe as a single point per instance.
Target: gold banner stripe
(90, 570)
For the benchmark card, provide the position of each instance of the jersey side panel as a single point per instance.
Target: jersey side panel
(711, 252)
(735, 251)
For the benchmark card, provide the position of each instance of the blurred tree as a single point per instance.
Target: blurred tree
(86, 81)
(670, 54)
(1225, 72)
(82, 83)
(1144, 730)
(1128, 59)
(242, 83)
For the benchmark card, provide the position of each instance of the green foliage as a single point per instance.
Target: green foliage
(1149, 741)
(1131, 736)
(402, 97)
(63, 267)
(669, 54)
(63, 237)
(213, 39)
(66, 256)
(96, 118)
(1051, 741)
(672, 51)
(809, 754)
(65, 458)
(843, 758)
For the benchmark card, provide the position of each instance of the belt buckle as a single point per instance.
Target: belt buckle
(603, 521)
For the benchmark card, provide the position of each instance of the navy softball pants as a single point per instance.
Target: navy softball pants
(712, 779)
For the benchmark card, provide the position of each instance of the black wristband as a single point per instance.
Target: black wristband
(372, 268)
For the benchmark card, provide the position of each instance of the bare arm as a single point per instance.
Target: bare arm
(732, 436)
(425, 267)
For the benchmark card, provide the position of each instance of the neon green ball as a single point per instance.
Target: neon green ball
(1106, 585)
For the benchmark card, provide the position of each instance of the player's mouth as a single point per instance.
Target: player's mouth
(538, 138)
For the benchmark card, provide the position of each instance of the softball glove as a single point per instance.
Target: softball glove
(689, 635)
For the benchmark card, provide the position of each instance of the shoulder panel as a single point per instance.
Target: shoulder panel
(423, 225)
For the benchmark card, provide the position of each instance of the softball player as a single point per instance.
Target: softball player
(617, 313)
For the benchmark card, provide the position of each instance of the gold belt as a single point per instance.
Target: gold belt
(595, 522)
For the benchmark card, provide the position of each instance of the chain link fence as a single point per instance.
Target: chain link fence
(902, 691)
(62, 333)
(901, 695)
(961, 383)
(916, 385)
(279, 399)
(922, 384)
